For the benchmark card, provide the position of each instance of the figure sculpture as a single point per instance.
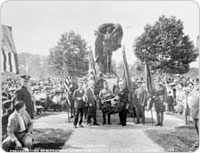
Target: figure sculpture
(108, 39)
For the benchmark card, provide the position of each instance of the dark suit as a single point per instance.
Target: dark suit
(73, 87)
(123, 101)
(78, 105)
(141, 102)
(91, 105)
(24, 95)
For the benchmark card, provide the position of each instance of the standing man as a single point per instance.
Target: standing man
(72, 88)
(91, 99)
(160, 94)
(97, 88)
(24, 95)
(79, 104)
(123, 103)
(105, 96)
(141, 101)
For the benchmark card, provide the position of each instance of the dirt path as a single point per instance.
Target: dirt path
(108, 138)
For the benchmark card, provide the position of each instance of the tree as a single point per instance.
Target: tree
(165, 47)
(71, 49)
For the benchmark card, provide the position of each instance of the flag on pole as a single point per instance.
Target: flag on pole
(67, 80)
(148, 77)
(126, 71)
(67, 84)
(149, 86)
(127, 77)
(92, 69)
(9, 59)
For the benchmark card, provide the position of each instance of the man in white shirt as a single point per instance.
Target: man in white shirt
(19, 129)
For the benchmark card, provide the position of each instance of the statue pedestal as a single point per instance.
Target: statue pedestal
(110, 76)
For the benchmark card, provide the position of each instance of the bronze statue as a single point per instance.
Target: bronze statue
(108, 39)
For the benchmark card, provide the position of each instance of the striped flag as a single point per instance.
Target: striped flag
(67, 84)
(9, 59)
(67, 81)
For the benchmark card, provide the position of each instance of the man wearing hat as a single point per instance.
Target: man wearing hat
(91, 101)
(79, 104)
(98, 87)
(160, 94)
(24, 95)
(141, 101)
(72, 88)
(19, 129)
(123, 103)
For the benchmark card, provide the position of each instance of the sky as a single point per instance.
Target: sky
(38, 25)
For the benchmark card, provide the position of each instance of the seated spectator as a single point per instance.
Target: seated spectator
(56, 100)
(19, 129)
(7, 110)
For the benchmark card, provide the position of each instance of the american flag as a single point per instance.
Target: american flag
(67, 84)
(9, 59)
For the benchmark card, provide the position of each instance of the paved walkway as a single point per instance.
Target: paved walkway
(108, 138)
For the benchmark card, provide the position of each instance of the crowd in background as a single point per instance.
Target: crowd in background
(83, 98)
(50, 92)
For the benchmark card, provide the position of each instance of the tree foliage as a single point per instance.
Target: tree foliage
(71, 49)
(165, 47)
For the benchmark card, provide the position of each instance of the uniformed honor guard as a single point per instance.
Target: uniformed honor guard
(105, 96)
(23, 94)
(160, 93)
(141, 101)
(123, 103)
(79, 104)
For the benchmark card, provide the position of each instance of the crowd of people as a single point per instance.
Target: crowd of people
(24, 99)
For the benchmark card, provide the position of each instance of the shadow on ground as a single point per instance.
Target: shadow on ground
(50, 138)
(44, 114)
(180, 139)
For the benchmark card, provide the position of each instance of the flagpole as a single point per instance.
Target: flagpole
(65, 72)
(127, 78)
(148, 84)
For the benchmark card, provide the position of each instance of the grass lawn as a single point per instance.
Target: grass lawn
(50, 138)
(180, 139)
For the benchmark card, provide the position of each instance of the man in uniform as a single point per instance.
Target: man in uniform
(160, 95)
(79, 104)
(141, 101)
(105, 96)
(23, 94)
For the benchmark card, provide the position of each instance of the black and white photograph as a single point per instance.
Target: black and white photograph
(99, 76)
